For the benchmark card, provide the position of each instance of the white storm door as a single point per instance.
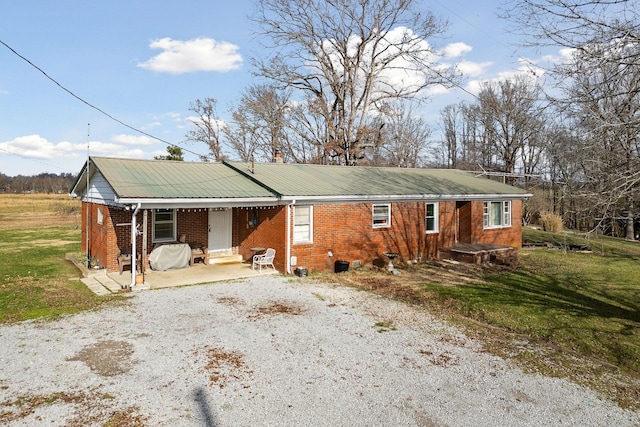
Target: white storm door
(220, 230)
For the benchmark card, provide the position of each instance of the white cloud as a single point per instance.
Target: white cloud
(200, 54)
(137, 154)
(159, 120)
(528, 72)
(133, 140)
(473, 69)
(104, 148)
(37, 147)
(219, 123)
(454, 50)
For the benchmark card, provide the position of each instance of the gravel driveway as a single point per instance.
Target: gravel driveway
(272, 351)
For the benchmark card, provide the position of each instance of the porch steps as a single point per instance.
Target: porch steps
(225, 259)
(101, 284)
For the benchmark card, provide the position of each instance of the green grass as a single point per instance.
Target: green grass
(585, 304)
(36, 281)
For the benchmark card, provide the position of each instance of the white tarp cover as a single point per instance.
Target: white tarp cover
(171, 256)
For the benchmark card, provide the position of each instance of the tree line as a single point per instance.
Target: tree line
(42, 183)
(342, 83)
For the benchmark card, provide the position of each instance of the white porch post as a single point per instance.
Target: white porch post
(134, 235)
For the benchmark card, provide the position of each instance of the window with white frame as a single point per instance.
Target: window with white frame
(497, 214)
(164, 225)
(431, 217)
(381, 216)
(303, 224)
(100, 216)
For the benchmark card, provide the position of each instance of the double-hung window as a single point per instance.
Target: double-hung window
(497, 214)
(164, 225)
(381, 216)
(303, 224)
(431, 217)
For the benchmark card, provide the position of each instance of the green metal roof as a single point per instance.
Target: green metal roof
(315, 181)
(166, 179)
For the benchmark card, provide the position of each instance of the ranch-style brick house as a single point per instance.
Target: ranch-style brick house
(312, 215)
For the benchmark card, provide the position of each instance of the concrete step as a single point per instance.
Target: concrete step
(225, 258)
(96, 286)
(105, 284)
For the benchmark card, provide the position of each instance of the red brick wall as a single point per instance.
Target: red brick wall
(344, 230)
(509, 236)
(114, 234)
(192, 223)
(268, 232)
(101, 236)
(347, 232)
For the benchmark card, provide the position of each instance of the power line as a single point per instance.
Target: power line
(101, 111)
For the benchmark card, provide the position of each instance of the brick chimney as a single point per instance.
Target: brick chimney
(277, 157)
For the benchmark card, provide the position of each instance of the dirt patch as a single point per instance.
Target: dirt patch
(107, 358)
(92, 409)
(275, 308)
(403, 286)
(229, 301)
(224, 366)
(444, 359)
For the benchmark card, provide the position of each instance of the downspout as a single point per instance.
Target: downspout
(134, 233)
(288, 241)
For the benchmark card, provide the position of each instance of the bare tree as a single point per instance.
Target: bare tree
(451, 126)
(207, 126)
(599, 79)
(606, 97)
(402, 137)
(510, 116)
(347, 57)
(575, 24)
(259, 123)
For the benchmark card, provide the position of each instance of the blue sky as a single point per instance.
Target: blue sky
(117, 56)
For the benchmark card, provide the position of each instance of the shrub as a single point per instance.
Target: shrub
(550, 222)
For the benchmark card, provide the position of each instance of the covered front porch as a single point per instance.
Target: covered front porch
(103, 283)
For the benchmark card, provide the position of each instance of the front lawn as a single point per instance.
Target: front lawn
(35, 279)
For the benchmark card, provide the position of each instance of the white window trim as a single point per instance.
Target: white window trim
(174, 221)
(310, 240)
(387, 224)
(100, 216)
(487, 214)
(436, 217)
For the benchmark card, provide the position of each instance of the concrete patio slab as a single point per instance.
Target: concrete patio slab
(199, 273)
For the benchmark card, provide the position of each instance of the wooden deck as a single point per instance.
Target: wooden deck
(482, 253)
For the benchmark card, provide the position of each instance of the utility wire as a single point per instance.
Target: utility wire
(115, 119)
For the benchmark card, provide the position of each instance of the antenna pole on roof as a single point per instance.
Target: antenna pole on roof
(86, 192)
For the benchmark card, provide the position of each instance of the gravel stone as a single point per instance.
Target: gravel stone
(273, 351)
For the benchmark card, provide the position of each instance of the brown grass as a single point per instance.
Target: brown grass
(38, 210)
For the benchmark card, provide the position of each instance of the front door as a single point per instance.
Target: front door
(220, 231)
(463, 218)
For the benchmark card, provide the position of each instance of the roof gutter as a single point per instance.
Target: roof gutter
(186, 203)
(401, 197)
